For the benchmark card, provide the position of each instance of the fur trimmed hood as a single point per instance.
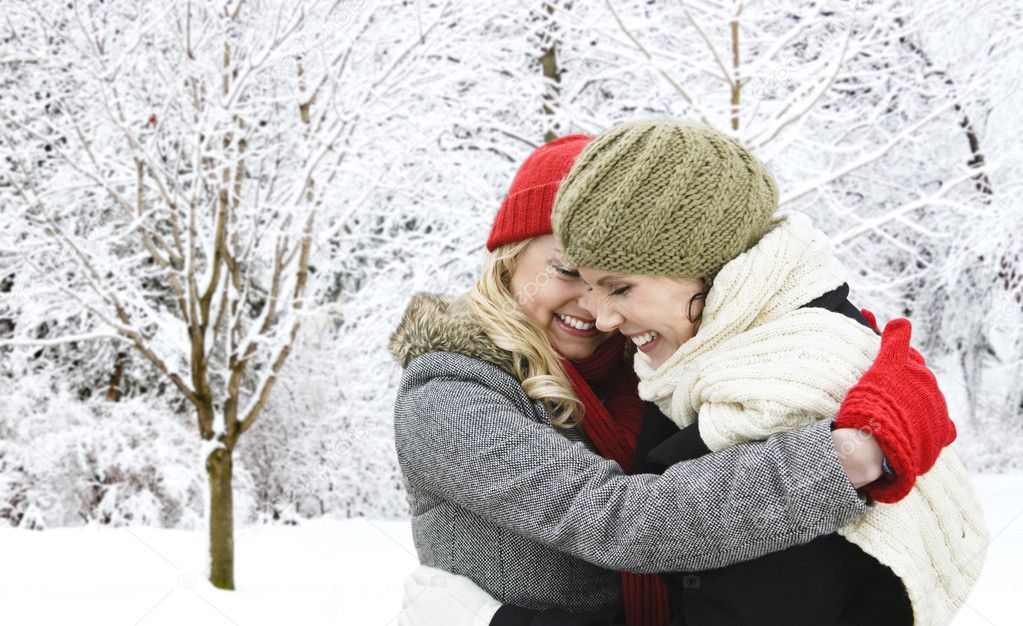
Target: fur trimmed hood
(440, 323)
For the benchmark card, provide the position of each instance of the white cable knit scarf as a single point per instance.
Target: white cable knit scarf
(760, 364)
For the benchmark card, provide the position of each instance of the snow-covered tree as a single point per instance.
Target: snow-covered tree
(193, 154)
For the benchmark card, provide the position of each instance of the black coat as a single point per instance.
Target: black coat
(826, 581)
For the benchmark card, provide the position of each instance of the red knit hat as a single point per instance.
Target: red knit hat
(526, 212)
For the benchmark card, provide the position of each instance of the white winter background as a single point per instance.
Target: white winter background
(384, 135)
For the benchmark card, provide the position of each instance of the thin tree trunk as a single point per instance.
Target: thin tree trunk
(6, 323)
(114, 390)
(549, 63)
(218, 468)
(981, 180)
(736, 82)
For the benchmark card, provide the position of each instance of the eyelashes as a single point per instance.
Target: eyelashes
(565, 272)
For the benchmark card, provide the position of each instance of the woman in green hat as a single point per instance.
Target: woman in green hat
(744, 329)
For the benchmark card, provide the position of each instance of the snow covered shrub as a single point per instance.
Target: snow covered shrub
(15, 486)
(67, 462)
(133, 464)
(327, 448)
(974, 312)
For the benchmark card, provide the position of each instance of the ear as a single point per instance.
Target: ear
(702, 297)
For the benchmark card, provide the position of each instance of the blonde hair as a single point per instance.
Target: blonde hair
(534, 360)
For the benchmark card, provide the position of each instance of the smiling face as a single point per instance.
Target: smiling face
(550, 291)
(652, 311)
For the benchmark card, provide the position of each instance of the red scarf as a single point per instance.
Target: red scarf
(647, 602)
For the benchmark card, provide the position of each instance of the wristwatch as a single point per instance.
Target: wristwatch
(887, 468)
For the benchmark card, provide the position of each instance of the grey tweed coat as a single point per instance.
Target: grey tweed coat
(537, 518)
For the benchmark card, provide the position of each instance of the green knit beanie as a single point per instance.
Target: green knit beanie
(663, 197)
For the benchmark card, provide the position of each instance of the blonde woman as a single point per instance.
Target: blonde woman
(516, 423)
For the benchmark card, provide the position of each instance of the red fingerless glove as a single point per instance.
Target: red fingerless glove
(899, 403)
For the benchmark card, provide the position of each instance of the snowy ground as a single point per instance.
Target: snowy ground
(324, 572)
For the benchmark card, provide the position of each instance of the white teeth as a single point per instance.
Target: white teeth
(645, 338)
(575, 323)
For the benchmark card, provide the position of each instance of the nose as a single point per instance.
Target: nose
(605, 319)
(608, 320)
(588, 301)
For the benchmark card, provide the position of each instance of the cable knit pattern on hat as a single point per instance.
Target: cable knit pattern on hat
(760, 364)
(665, 197)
